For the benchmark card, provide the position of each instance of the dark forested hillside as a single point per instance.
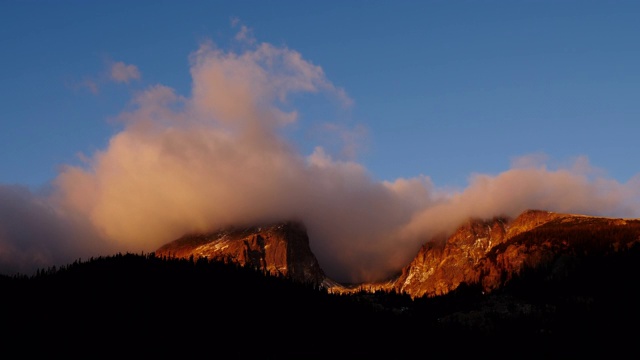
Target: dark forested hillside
(146, 305)
(130, 304)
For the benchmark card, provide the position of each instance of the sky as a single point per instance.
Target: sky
(379, 124)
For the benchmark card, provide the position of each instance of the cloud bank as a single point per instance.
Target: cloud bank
(217, 157)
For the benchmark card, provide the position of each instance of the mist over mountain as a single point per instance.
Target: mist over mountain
(483, 252)
(424, 179)
(221, 155)
(541, 285)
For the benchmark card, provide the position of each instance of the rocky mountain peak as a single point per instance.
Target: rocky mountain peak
(487, 252)
(491, 252)
(530, 219)
(280, 249)
(438, 269)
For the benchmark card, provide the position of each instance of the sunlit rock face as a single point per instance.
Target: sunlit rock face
(281, 250)
(485, 252)
(440, 267)
(492, 252)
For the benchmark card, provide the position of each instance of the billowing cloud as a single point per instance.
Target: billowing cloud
(574, 189)
(217, 157)
(124, 73)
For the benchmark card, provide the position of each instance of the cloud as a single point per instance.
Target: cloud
(34, 235)
(568, 190)
(245, 34)
(86, 84)
(214, 158)
(117, 72)
(123, 73)
(91, 85)
(217, 157)
(345, 142)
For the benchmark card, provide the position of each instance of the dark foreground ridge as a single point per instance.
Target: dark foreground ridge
(132, 305)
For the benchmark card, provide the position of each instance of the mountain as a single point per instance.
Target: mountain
(484, 252)
(542, 285)
(280, 249)
(491, 252)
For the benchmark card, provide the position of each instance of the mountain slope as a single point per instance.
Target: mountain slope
(486, 252)
(280, 249)
(492, 252)
(543, 285)
(137, 305)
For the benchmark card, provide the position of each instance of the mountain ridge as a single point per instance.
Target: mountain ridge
(280, 249)
(489, 252)
(581, 300)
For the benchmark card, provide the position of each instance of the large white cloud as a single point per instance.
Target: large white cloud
(216, 157)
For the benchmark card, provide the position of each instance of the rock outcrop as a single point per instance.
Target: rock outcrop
(280, 249)
(492, 252)
(482, 252)
(439, 267)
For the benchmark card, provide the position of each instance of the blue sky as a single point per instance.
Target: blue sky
(380, 124)
(443, 88)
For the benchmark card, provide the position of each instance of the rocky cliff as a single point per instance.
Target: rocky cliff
(485, 252)
(280, 249)
(492, 252)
